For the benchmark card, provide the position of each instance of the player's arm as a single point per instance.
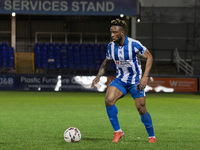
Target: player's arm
(149, 62)
(104, 67)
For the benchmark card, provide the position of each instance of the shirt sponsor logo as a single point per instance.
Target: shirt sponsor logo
(125, 63)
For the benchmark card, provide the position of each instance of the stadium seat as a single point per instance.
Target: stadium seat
(71, 56)
(4, 65)
(7, 56)
(11, 57)
(44, 56)
(90, 56)
(37, 44)
(63, 55)
(83, 58)
(70, 59)
(57, 50)
(77, 56)
(4, 57)
(64, 63)
(44, 64)
(37, 56)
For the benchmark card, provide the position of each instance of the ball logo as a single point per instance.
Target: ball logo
(72, 134)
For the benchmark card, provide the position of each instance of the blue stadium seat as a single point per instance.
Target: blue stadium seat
(69, 47)
(64, 63)
(4, 65)
(37, 44)
(70, 59)
(11, 65)
(77, 56)
(96, 48)
(3, 46)
(44, 56)
(6, 56)
(57, 50)
(37, 58)
(72, 56)
(44, 45)
(83, 58)
(4, 53)
(44, 64)
(102, 47)
(57, 63)
(37, 54)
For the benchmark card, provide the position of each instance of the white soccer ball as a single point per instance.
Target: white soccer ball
(72, 134)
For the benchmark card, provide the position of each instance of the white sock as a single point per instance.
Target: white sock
(152, 136)
(120, 130)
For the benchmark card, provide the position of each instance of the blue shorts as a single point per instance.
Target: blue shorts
(125, 88)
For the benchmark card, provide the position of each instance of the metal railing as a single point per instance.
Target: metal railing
(182, 64)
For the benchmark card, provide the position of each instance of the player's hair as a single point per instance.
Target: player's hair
(118, 22)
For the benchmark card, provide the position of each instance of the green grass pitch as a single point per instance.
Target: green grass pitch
(37, 121)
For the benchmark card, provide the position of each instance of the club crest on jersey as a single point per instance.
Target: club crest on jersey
(117, 62)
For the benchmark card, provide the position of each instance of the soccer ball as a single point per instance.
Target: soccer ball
(72, 134)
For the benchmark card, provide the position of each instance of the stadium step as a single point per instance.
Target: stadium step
(24, 63)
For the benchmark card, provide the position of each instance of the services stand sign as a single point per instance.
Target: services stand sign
(69, 7)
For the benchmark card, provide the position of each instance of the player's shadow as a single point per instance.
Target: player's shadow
(94, 139)
(124, 140)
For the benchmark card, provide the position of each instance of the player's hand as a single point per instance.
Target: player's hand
(143, 82)
(94, 82)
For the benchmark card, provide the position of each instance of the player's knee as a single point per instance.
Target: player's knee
(109, 100)
(141, 109)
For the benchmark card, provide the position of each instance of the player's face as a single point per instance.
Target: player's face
(116, 33)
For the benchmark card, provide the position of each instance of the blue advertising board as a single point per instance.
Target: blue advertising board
(83, 83)
(7, 82)
(50, 83)
(69, 7)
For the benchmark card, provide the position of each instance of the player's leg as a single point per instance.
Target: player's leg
(114, 92)
(145, 118)
(140, 103)
(112, 95)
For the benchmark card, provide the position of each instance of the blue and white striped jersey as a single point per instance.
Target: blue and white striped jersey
(125, 57)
